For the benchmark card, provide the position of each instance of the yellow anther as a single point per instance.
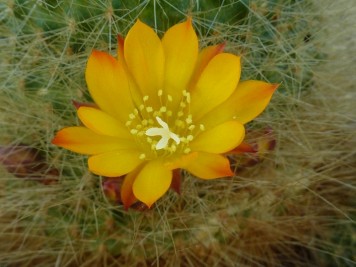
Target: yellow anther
(160, 92)
(170, 98)
(191, 127)
(187, 150)
(188, 98)
(202, 127)
(149, 109)
(182, 104)
(132, 116)
(173, 148)
(145, 98)
(163, 109)
(190, 137)
(142, 156)
(179, 123)
(133, 131)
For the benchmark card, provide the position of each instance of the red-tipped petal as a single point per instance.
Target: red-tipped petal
(78, 104)
(176, 181)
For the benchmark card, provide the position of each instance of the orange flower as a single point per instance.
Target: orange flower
(163, 105)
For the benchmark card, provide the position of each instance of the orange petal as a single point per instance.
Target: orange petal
(219, 139)
(108, 85)
(84, 141)
(217, 82)
(181, 161)
(242, 148)
(145, 58)
(210, 166)
(102, 123)
(127, 195)
(152, 182)
(114, 163)
(180, 44)
(204, 58)
(246, 103)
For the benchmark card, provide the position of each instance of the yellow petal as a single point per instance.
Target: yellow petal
(219, 139)
(209, 166)
(145, 58)
(108, 85)
(114, 163)
(246, 103)
(204, 58)
(85, 141)
(152, 182)
(180, 44)
(102, 123)
(216, 84)
(127, 195)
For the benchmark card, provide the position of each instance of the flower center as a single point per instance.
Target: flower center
(164, 132)
(164, 127)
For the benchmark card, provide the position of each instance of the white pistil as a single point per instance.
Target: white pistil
(164, 132)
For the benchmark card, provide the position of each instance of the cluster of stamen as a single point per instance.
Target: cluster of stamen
(165, 129)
